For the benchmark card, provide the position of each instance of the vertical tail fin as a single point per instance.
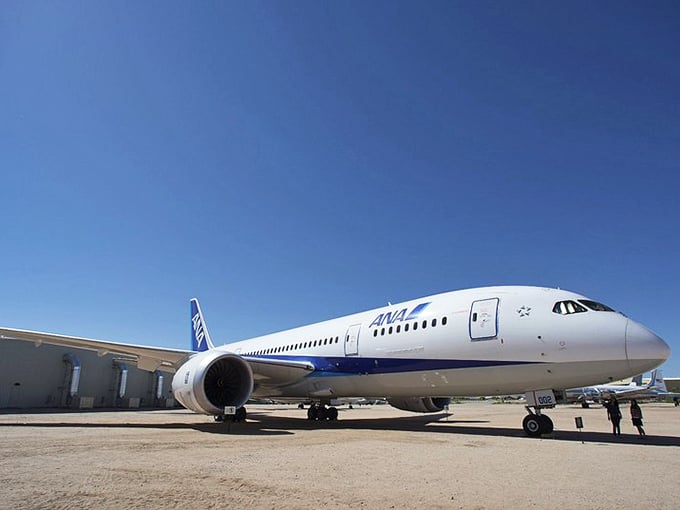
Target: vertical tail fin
(657, 377)
(200, 337)
(637, 380)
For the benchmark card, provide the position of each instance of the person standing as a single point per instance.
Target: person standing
(636, 416)
(614, 414)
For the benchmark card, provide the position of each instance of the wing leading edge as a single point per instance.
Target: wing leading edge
(274, 372)
(268, 372)
(147, 357)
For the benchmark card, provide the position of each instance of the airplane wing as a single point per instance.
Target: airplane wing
(266, 372)
(146, 357)
(273, 372)
(626, 394)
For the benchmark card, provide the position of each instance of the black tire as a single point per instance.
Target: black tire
(312, 413)
(333, 414)
(322, 413)
(241, 414)
(532, 425)
(546, 424)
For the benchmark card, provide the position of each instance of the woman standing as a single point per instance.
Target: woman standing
(636, 416)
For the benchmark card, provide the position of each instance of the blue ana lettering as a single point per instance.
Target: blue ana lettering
(198, 329)
(397, 315)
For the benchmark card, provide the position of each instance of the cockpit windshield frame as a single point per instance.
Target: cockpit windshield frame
(595, 306)
(568, 307)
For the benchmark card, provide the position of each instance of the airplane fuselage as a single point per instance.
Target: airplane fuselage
(493, 340)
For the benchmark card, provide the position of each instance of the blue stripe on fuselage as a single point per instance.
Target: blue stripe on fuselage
(341, 365)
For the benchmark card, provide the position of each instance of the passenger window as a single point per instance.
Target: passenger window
(424, 324)
(406, 327)
(443, 321)
(398, 328)
(434, 322)
(415, 326)
(390, 330)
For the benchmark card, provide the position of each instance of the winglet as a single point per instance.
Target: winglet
(200, 337)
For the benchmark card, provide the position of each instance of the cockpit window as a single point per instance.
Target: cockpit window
(568, 307)
(594, 305)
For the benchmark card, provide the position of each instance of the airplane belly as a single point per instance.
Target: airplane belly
(476, 381)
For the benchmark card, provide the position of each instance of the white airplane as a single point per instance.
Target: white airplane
(658, 388)
(600, 392)
(474, 342)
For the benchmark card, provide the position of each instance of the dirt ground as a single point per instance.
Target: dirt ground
(373, 457)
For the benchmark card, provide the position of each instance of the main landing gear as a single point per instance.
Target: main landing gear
(321, 412)
(240, 415)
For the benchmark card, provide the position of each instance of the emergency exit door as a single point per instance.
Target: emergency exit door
(484, 319)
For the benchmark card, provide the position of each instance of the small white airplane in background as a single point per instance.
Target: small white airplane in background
(600, 392)
(474, 342)
(655, 388)
(658, 389)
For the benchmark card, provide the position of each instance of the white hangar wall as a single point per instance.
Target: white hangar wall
(34, 377)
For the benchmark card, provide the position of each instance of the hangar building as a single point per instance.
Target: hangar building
(61, 377)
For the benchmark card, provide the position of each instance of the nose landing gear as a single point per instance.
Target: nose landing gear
(536, 424)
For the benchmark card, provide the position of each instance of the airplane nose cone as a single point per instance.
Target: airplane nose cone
(644, 349)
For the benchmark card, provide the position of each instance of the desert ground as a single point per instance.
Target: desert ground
(476, 457)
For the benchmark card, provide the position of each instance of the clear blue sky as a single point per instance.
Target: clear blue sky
(288, 162)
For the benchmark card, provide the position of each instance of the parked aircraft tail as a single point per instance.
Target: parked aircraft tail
(200, 337)
(657, 381)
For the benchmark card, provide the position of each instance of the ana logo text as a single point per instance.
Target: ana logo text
(398, 315)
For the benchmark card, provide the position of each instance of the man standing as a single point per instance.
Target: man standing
(614, 414)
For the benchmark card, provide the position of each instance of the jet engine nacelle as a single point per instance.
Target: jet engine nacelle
(212, 380)
(420, 404)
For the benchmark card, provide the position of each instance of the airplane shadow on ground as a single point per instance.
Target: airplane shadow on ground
(264, 424)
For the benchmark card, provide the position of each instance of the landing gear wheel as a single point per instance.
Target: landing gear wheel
(240, 415)
(322, 413)
(312, 413)
(546, 424)
(532, 425)
(332, 414)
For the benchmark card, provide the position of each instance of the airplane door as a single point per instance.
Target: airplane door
(484, 319)
(352, 340)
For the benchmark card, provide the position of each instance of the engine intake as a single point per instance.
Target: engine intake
(420, 404)
(212, 380)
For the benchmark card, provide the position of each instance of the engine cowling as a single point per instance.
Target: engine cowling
(212, 380)
(420, 404)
